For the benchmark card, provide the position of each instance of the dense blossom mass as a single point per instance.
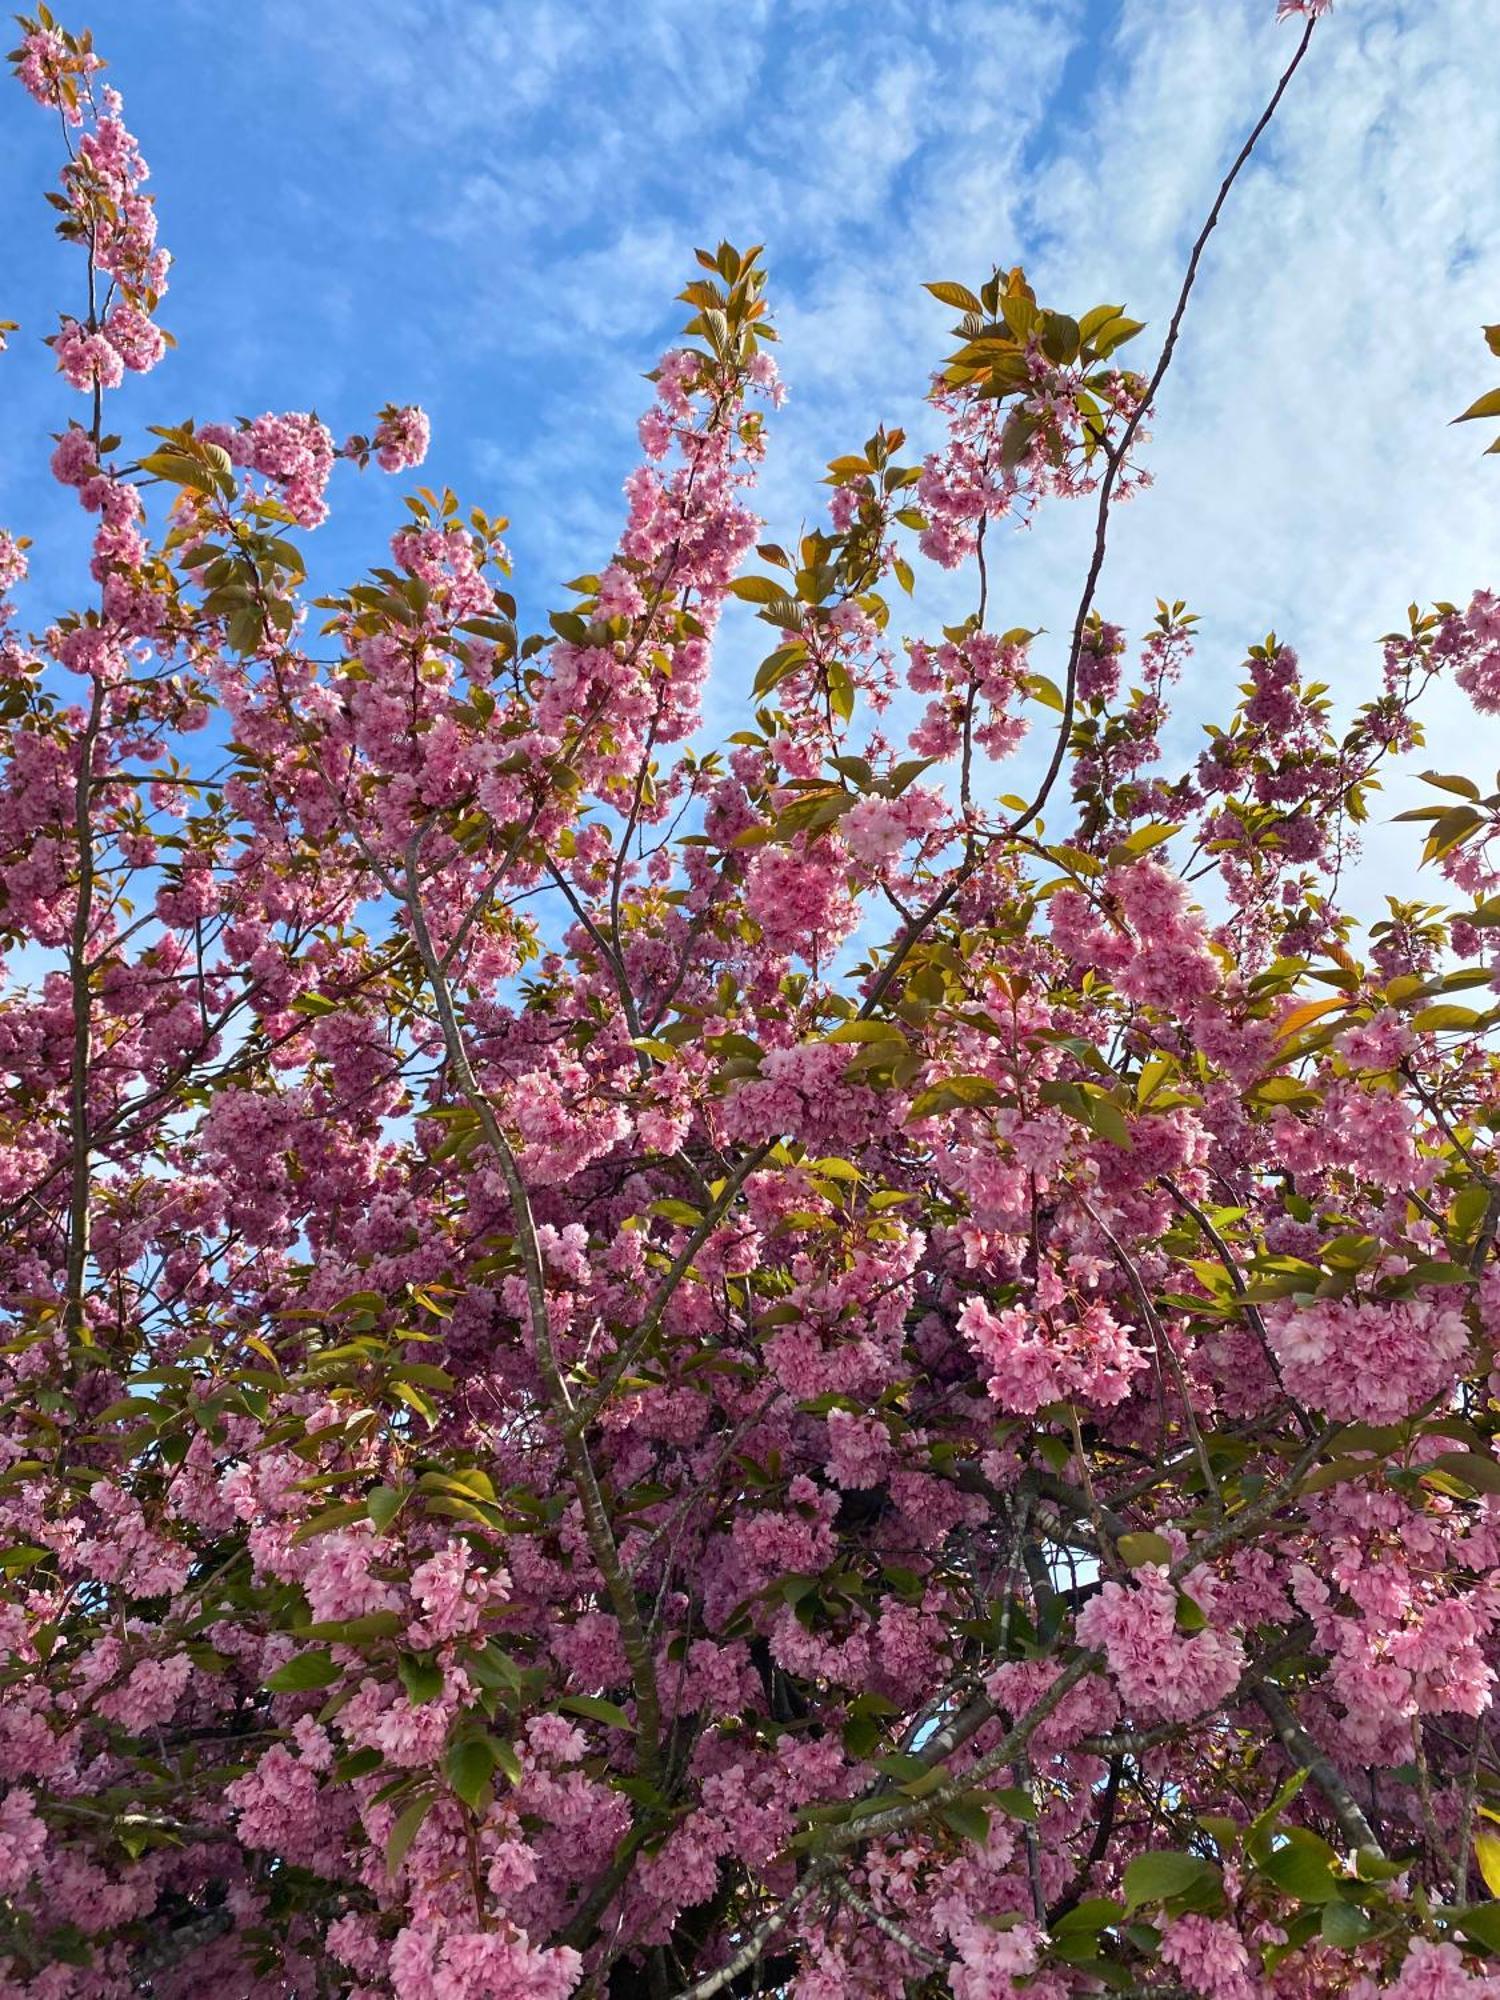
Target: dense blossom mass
(639, 1369)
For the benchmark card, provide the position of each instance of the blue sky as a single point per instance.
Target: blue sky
(486, 207)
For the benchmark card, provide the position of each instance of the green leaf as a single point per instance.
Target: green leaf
(1370, 1865)
(358, 1764)
(353, 1631)
(1258, 1839)
(340, 1516)
(862, 1733)
(596, 1709)
(1060, 337)
(183, 471)
(1344, 1925)
(404, 1832)
(1019, 313)
(383, 1504)
(867, 1031)
(306, 1671)
(1144, 838)
(422, 1679)
(953, 1094)
(903, 1766)
(1301, 1868)
(1108, 1120)
(1436, 1271)
(1016, 438)
(24, 1555)
(1095, 1913)
(676, 1211)
(469, 1765)
(1474, 1468)
(1482, 1924)
(776, 666)
(840, 690)
(1447, 1014)
(1115, 334)
(968, 1819)
(1143, 1546)
(1162, 1874)
(1015, 1801)
(1047, 692)
(950, 294)
(1191, 1616)
(1098, 317)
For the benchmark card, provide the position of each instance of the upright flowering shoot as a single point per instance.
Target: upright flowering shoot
(1032, 402)
(102, 209)
(630, 1368)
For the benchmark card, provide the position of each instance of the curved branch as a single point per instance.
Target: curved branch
(1117, 455)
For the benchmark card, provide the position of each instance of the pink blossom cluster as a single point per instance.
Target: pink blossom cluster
(104, 208)
(1162, 1672)
(1368, 1360)
(294, 453)
(594, 1324)
(1211, 1958)
(1144, 932)
(1037, 1359)
(1478, 673)
(401, 439)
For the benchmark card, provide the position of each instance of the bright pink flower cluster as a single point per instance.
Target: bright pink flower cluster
(1162, 1671)
(1368, 1360)
(294, 453)
(104, 209)
(1033, 1360)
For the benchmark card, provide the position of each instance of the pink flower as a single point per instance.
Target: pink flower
(995, 1963)
(23, 1837)
(88, 359)
(1479, 672)
(401, 437)
(1430, 1972)
(1162, 1673)
(874, 831)
(294, 452)
(1211, 1957)
(1034, 1360)
(1367, 1361)
(136, 338)
(799, 898)
(12, 562)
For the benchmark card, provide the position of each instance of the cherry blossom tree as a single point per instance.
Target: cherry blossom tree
(634, 1368)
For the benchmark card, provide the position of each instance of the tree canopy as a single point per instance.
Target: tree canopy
(633, 1366)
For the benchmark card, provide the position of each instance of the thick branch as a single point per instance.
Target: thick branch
(580, 1465)
(81, 1186)
(1304, 1753)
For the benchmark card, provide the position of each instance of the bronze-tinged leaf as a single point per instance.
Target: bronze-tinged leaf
(1486, 406)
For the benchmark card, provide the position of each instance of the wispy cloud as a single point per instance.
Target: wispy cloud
(490, 206)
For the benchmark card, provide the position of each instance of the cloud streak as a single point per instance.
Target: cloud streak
(489, 208)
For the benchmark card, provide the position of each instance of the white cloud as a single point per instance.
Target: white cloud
(1306, 475)
(537, 176)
